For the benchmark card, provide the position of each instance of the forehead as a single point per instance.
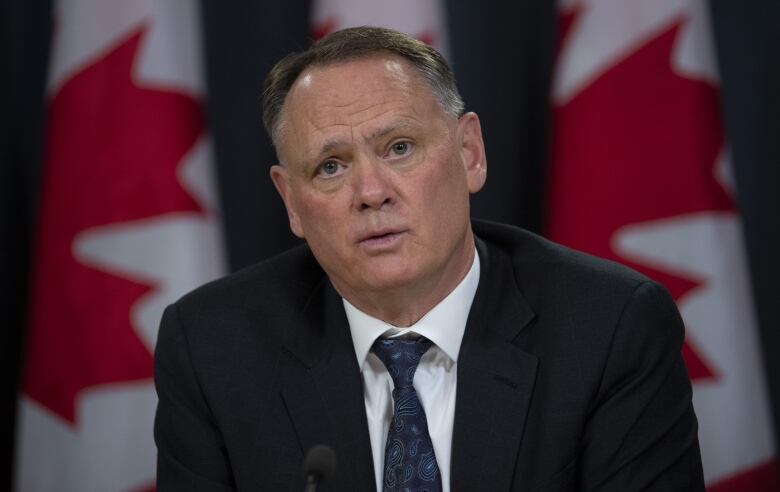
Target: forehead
(378, 69)
(355, 93)
(342, 82)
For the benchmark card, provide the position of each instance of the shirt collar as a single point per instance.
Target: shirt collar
(444, 325)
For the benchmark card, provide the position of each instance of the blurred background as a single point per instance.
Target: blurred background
(134, 167)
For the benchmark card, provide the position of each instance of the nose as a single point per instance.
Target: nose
(372, 186)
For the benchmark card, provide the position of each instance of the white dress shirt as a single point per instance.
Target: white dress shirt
(435, 379)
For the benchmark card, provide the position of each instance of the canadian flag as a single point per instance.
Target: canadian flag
(640, 174)
(423, 19)
(128, 223)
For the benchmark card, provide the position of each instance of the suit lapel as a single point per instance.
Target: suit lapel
(495, 380)
(326, 401)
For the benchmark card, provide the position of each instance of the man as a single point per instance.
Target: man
(428, 355)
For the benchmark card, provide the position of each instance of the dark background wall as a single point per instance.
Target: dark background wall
(24, 46)
(747, 41)
(502, 57)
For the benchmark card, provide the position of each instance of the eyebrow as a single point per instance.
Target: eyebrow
(331, 145)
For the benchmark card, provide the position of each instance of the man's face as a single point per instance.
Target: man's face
(376, 176)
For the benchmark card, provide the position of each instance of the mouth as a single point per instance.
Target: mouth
(381, 239)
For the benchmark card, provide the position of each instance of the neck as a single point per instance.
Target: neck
(404, 306)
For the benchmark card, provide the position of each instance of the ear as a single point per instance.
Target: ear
(281, 178)
(472, 151)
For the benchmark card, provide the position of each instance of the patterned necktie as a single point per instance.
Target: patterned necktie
(410, 464)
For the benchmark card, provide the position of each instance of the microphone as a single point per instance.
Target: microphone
(318, 466)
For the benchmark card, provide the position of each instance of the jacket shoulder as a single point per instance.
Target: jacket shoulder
(540, 261)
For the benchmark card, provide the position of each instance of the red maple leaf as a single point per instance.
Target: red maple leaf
(637, 144)
(112, 151)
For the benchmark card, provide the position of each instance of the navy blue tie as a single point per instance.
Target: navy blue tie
(410, 463)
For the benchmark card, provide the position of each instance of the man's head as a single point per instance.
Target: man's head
(377, 166)
(353, 44)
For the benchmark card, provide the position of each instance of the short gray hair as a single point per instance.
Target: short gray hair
(357, 43)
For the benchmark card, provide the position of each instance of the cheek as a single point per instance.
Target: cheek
(320, 213)
(447, 203)
(445, 187)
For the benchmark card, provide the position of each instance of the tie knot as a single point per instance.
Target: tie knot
(401, 356)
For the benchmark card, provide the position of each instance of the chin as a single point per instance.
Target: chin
(378, 279)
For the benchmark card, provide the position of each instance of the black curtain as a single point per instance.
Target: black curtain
(502, 55)
(25, 28)
(243, 41)
(747, 42)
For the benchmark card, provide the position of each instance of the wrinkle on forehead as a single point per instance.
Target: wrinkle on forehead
(358, 113)
(364, 124)
(352, 106)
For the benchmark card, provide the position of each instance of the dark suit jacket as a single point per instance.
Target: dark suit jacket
(569, 378)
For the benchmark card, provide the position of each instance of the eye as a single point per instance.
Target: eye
(328, 169)
(401, 148)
